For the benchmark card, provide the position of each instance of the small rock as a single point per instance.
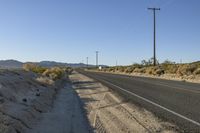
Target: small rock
(37, 94)
(24, 100)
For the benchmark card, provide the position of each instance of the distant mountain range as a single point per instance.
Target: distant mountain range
(18, 64)
(10, 64)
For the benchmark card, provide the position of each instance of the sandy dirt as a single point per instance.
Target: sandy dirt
(22, 99)
(27, 105)
(66, 115)
(108, 112)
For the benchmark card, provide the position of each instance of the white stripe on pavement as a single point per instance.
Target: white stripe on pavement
(155, 104)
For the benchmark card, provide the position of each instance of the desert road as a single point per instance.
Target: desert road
(174, 101)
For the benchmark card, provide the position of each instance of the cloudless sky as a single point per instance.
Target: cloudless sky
(122, 30)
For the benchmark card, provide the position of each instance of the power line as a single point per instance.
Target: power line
(154, 46)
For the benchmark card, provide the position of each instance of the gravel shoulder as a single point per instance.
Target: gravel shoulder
(108, 112)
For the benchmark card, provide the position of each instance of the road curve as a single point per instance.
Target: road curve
(175, 101)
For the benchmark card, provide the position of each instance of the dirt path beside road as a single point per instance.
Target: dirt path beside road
(65, 117)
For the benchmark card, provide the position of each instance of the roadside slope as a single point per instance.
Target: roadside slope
(22, 99)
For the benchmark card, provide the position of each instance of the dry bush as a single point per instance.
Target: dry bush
(34, 68)
(159, 71)
(197, 71)
(186, 69)
(45, 80)
(68, 70)
(111, 69)
(120, 68)
(150, 70)
(154, 70)
(54, 73)
(171, 68)
(139, 70)
(129, 69)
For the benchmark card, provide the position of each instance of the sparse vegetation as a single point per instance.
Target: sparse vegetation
(167, 67)
(34, 68)
(48, 75)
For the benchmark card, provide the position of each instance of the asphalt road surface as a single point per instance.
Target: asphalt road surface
(174, 101)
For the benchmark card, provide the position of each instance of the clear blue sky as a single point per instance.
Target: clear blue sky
(71, 30)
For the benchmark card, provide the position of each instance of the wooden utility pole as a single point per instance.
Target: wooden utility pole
(97, 52)
(87, 61)
(154, 46)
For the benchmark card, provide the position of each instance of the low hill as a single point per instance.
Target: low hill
(17, 64)
(10, 64)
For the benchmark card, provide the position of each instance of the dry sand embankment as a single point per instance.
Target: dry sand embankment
(22, 100)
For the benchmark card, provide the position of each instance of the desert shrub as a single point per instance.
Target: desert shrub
(54, 73)
(45, 80)
(129, 69)
(159, 71)
(148, 62)
(186, 69)
(121, 68)
(149, 70)
(34, 68)
(197, 71)
(69, 70)
(136, 65)
(139, 70)
(170, 68)
(154, 70)
(109, 69)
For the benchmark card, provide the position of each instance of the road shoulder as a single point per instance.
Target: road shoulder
(108, 112)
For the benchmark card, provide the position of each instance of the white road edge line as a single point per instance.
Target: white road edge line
(155, 104)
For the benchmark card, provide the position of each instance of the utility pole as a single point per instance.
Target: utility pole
(97, 52)
(154, 46)
(87, 61)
